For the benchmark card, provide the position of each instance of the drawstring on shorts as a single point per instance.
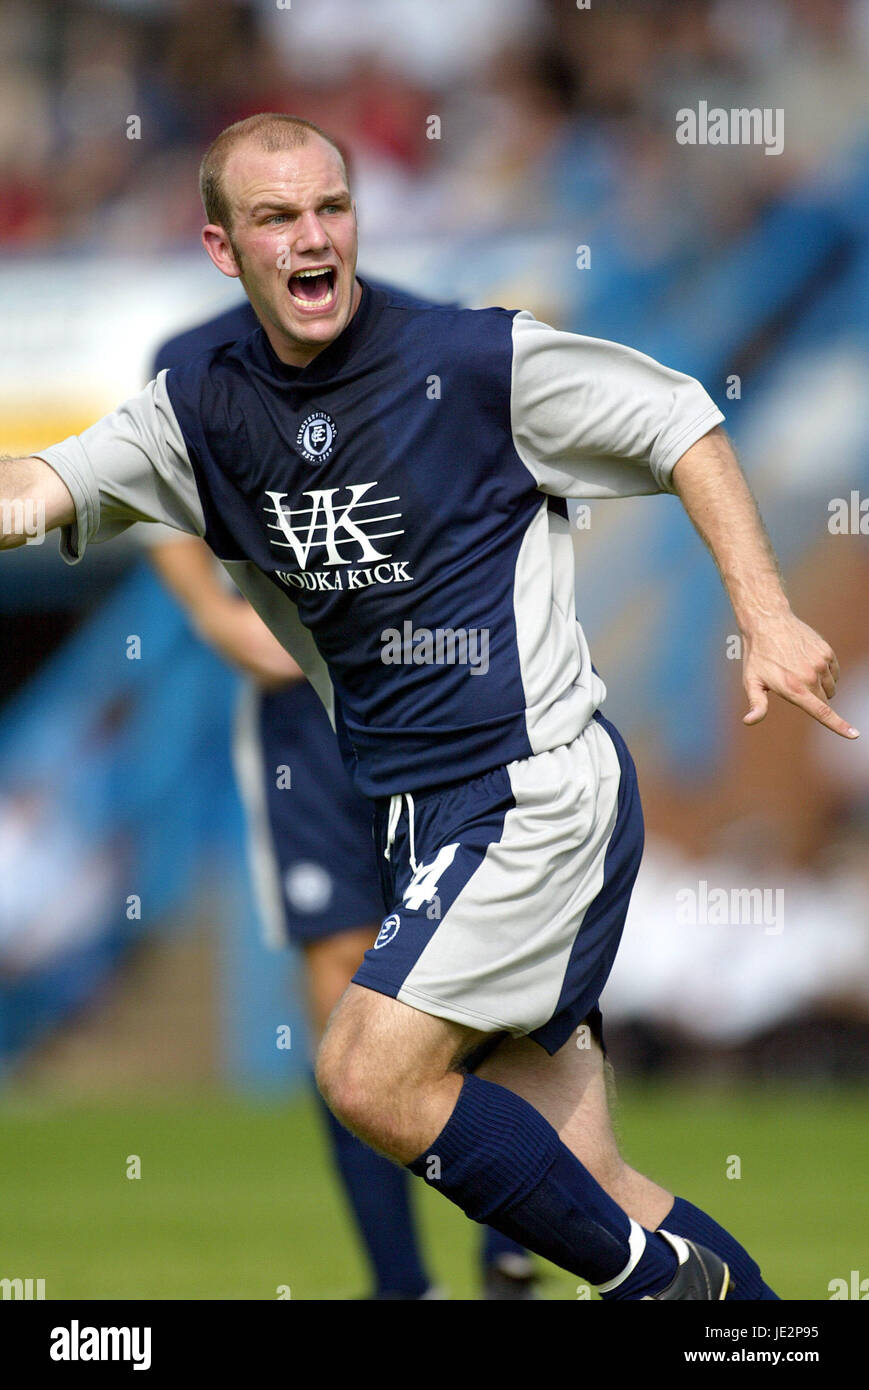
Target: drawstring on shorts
(395, 803)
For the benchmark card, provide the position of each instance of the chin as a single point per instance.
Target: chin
(322, 332)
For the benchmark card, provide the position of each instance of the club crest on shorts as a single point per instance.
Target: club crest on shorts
(388, 929)
(316, 438)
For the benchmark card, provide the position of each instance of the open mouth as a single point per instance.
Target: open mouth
(313, 289)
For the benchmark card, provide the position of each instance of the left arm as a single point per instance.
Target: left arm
(780, 653)
(590, 418)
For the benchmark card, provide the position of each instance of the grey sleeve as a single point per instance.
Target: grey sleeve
(595, 419)
(132, 465)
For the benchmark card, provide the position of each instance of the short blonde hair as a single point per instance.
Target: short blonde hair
(272, 131)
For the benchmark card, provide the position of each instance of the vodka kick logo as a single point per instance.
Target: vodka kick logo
(333, 539)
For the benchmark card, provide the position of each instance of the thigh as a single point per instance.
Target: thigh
(393, 1042)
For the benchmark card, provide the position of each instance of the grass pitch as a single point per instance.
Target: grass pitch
(237, 1199)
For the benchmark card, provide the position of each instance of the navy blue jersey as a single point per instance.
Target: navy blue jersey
(396, 511)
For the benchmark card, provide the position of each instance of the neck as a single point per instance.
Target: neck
(295, 354)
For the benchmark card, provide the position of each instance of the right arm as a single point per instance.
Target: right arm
(132, 465)
(31, 493)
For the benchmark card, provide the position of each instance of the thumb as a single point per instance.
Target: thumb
(758, 702)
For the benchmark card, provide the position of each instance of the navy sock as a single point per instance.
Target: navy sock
(688, 1220)
(500, 1161)
(379, 1195)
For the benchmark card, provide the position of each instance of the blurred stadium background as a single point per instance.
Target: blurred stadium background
(138, 1014)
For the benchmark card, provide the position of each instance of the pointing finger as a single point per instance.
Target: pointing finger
(822, 712)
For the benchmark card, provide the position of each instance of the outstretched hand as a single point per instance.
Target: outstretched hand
(787, 657)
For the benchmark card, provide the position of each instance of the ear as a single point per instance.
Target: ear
(219, 248)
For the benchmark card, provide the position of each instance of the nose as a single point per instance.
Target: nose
(310, 233)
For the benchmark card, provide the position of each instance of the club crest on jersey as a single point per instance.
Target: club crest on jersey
(316, 438)
(388, 930)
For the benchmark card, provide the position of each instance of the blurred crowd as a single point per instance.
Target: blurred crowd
(544, 110)
(471, 121)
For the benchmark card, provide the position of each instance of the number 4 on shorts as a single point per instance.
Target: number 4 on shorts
(424, 884)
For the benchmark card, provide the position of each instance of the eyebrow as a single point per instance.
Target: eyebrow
(278, 205)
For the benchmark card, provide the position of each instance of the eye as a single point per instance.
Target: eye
(277, 217)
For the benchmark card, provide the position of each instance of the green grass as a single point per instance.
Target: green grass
(237, 1198)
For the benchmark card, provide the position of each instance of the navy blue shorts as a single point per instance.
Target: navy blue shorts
(310, 841)
(507, 894)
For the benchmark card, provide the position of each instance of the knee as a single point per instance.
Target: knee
(394, 1110)
(385, 1072)
(355, 1092)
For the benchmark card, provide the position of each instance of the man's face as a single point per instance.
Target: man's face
(292, 242)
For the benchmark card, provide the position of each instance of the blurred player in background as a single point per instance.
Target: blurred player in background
(312, 859)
